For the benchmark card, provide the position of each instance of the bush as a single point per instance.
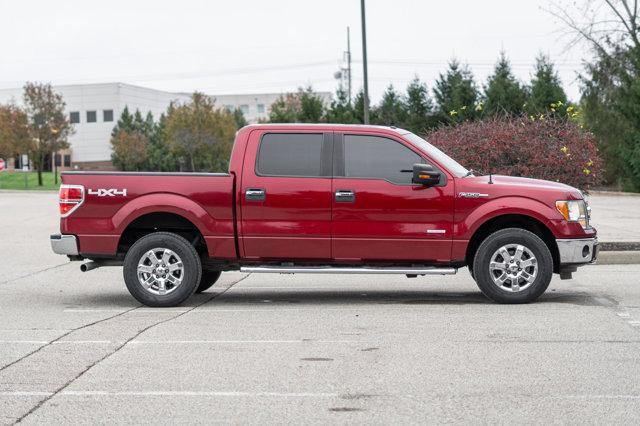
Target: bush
(555, 149)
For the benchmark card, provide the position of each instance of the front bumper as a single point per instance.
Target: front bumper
(578, 251)
(64, 244)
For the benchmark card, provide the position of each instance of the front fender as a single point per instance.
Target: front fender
(469, 222)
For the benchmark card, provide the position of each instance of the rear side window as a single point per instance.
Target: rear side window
(290, 154)
(376, 157)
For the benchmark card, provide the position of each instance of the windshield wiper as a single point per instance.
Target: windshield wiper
(469, 173)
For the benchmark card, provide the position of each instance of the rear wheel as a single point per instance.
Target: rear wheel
(209, 278)
(162, 269)
(513, 266)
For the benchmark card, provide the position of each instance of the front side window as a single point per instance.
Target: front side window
(377, 157)
(91, 117)
(290, 154)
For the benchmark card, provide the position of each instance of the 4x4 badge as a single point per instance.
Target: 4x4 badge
(108, 192)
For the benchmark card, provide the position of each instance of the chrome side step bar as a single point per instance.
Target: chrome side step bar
(427, 270)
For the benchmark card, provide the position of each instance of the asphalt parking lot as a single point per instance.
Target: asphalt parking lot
(76, 348)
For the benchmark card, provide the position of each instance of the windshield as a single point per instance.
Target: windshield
(447, 162)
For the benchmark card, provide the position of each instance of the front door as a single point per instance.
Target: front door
(378, 214)
(286, 196)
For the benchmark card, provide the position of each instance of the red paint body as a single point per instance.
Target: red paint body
(300, 220)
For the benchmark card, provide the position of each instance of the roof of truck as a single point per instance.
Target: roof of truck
(327, 126)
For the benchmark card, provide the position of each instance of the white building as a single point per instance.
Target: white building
(95, 108)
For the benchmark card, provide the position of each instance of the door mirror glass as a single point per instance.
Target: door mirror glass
(425, 174)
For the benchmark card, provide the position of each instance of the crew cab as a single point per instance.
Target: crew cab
(326, 198)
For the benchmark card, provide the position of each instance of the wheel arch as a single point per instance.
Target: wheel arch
(161, 221)
(513, 220)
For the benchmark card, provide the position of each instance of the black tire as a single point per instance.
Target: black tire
(208, 279)
(191, 268)
(505, 237)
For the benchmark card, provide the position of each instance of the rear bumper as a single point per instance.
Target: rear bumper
(578, 251)
(64, 244)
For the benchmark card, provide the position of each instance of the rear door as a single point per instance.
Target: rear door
(378, 214)
(286, 195)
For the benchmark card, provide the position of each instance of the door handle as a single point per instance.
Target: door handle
(345, 196)
(255, 194)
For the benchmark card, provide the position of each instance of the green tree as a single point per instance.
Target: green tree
(129, 150)
(201, 133)
(610, 93)
(304, 106)
(503, 93)
(159, 157)
(238, 117)
(419, 107)
(358, 107)
(456, 94)
(48, 124)
(14, 131)
(392, 110)
(125, 122)
(546, 88)
(341, 110)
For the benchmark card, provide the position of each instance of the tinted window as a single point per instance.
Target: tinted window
(74, 117)
(378, 158)
(91, 117)
(107, 115)
(290, 154)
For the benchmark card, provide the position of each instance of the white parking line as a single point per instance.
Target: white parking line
(176, 393)
(173, 342)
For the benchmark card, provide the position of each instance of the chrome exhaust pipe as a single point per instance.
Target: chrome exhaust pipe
(94, 264)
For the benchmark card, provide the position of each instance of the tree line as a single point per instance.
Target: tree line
(455, 97)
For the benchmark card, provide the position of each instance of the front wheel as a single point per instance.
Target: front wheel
(162, 269)
(513, 265)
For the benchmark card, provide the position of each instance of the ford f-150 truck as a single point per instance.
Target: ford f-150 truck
(325, 198)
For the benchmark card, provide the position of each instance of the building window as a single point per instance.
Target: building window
(107, 115)
(244, 109)
(67, 160)
(92, 117)
(229, 108)
(58, 158)
(260, 108)
(74, 117)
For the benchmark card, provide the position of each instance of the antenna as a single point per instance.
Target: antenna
(490, 178)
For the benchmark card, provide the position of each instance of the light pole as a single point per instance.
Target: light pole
(364, 64)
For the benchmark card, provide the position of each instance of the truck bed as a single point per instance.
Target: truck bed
(114, 200)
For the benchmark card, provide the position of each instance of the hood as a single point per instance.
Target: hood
(509, 185)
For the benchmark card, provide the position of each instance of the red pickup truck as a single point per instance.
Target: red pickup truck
(325, 199)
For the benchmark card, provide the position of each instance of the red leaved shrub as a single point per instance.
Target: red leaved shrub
(555, 149)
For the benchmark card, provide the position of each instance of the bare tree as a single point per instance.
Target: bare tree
(604, 24)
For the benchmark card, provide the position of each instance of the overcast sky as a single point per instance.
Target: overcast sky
(253, 46)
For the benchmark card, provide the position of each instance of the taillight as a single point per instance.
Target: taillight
(69, 198)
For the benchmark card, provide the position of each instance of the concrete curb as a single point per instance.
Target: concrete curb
(618, 258)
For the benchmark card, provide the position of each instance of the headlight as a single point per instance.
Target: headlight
(574, 211)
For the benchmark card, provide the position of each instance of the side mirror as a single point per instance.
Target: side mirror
(426, 175)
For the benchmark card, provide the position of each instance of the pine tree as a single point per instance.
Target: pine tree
(311, 106)
(392, 110)
(419, 107)
(125, 122)
(358, 107)
(341, 110)
(456, 94)
(238, 116)
(159, 157)
(503, 93)
(546, 88)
